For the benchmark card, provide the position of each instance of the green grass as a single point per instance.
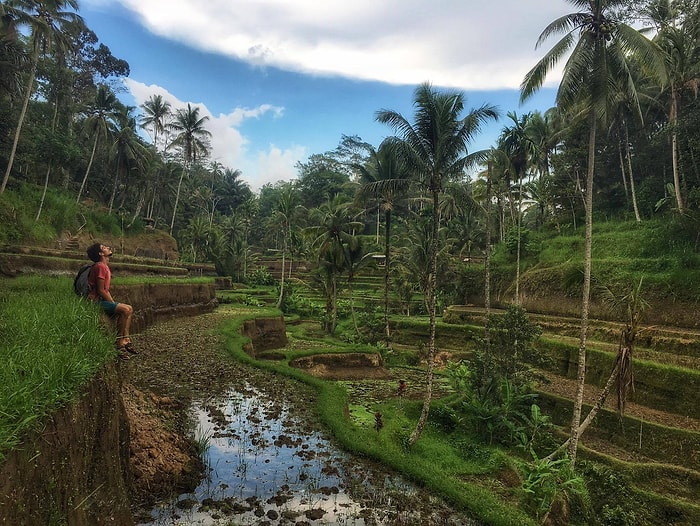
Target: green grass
(165, 280)
(51, 344)
(19, 206)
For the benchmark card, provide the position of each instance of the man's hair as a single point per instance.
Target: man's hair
(93, 252)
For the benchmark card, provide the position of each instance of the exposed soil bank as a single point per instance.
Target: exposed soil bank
(76, 470)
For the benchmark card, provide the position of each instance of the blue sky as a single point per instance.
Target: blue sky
(283, 79)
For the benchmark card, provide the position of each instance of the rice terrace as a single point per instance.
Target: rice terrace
(407, 333)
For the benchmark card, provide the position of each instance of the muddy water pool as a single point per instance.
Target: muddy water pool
(267, 466)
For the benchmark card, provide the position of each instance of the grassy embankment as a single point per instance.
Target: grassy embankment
(51, 345)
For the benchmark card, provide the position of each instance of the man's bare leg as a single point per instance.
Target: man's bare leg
(124, 313)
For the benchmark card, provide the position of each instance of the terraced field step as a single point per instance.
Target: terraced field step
(35, 260)
(657, 338)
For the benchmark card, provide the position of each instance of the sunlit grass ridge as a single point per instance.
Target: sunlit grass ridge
(51, 345)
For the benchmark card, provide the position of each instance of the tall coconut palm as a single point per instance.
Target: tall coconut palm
(599, 63)
(681, 52)
(434, 148)
(193, 141)
(101, 114)
(155, 114)
(286, 207)
(45, 22)
(464, 217)
(544, 131)
(520, 149)
(127, 151)
(13, 58)
(384, 180)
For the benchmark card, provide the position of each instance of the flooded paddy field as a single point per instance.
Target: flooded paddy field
(266, 466)
(267, 459)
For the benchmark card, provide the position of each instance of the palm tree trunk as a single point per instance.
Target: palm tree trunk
(487, 270)
(629, 169)
(585, 302)
(20, 122)
(87, 171)
(48, 169)
(137, 211)
(284, 251)
(177, 199)
(432, 286)
(622, 170)
(387, 254)
(114, 190)
(352, 308)
(43, 194)
(334, 310)
(600, 402)
(674, 150)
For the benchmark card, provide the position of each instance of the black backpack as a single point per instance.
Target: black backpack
(80, 283)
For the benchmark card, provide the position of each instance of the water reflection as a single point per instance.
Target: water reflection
(267, 466)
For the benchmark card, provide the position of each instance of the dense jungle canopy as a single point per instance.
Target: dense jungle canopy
(65, 135)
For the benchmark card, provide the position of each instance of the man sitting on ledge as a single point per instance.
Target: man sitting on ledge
(99, 280)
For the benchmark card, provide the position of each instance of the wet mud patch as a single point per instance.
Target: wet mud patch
(343, 366)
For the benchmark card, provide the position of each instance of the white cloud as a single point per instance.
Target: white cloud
(229, 145)
(456, 43)
(276, 165)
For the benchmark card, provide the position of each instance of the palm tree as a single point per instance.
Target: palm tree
(198, 234)
(155, 114)
(127, 151)
(681, 50)
(192, 139)
(287, 204)
(101, 114)
(234, 191)
(544, 130)
(434, 148)
(464, 216)
(13, 58)
(356, 259)
(45, 21)
(520, 149)
(331, 233)
(386, 181)
(599, 63)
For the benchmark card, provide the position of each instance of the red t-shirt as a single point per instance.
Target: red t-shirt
(99, 270)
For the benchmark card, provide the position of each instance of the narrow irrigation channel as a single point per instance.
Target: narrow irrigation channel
(267, 460)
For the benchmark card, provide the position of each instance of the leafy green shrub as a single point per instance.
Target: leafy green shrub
(613, 500)
(444, 416)
(551, 487)
(261, 276)
(526, 246)
(304, 306)
(371, 323)
(509, 353)
(502, 413)
(466, 286)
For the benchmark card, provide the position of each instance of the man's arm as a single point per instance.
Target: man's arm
(101, 292)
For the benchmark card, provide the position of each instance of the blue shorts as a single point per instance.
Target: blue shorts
(109, 307)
